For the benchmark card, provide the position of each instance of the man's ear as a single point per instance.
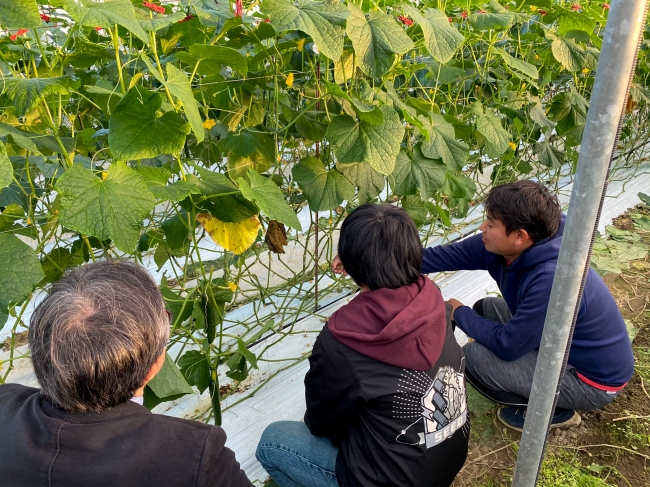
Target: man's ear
(523, 237)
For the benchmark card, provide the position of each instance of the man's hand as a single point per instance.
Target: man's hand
(455, 304)
(337, 266)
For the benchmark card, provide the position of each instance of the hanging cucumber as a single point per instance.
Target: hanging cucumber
(214, 396)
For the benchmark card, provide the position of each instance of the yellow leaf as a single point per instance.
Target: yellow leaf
(235, 237)
(209, 123)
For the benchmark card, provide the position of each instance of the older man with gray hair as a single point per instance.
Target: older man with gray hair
(96, 340)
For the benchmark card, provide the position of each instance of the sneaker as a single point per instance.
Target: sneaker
(514, 418)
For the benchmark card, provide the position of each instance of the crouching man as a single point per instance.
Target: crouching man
(385, 391)
(519, 247)
(96, 340)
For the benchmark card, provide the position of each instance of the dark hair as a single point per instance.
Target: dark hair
(379, 246)
(525, 205)
(97, 334)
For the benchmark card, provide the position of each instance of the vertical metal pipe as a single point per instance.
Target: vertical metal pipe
(617, 59)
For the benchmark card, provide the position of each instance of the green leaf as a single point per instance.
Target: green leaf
(246, 353)
(323, 21)
(107, 209)
(376, 40)
(569, 109)
(365, 111)
(104, 14)
(238, 166)
(247, 142)
(549, 155)
(6, 169)
(494, 136)
(324, 189)
(211, 13)
(442, 144)
(20, 270)
(459, 187)
(161, 21)
(169, 381)
(265, 193)
(378, 145)
(58, 260)
(179, 85)
(416, 209)
(210, 58)
(136, 132)
(156, 179)
(442, 73)
(568, 21)
(565, 51)
(490, 21)
(196, 369)
(177, 306)
(645, 198)
(519, 65)
(177, 229)
(364, 177)
(238, 367)
(441, 39)
(420, 173)
(538, 115)
(20, 138)
(27, 93)
(19, 14)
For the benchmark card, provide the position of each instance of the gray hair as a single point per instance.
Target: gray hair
(97, 334)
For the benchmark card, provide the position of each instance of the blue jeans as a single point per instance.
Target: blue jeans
(294, 457)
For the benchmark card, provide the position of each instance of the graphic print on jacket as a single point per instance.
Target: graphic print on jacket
(439, 405)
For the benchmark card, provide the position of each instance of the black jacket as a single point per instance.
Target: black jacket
(124, 446)
(395, 426)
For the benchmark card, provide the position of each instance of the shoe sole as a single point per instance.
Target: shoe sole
(573, 421)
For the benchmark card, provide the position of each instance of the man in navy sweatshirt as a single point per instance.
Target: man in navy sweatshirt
(519, 247)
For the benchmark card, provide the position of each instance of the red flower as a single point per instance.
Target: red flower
(575, 7)
(185, 19)
(606, 6)
(542, 12)
(449, 19)
(18, 33)
(98, 29)
(156, 8)
(44, 17)
(267, 20)
(239, 8)
(405, 20)
(481, 12)
(463, 14)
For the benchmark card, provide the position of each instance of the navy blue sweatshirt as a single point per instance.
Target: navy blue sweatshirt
(600, 351)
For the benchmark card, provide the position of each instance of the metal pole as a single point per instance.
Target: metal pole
(617, 60)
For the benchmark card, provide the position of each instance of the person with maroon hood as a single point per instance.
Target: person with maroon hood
(385, 392)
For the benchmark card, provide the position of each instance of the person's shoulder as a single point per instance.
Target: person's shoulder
(17, 393)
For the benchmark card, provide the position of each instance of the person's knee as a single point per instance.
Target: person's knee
(473, 352)
(271, 437)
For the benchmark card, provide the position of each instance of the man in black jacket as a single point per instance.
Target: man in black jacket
(385, 392)
(96, 340)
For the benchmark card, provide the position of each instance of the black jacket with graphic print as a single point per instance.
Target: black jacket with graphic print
(395, 425)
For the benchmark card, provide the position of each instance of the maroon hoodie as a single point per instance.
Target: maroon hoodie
(404, 327)
(386, 384)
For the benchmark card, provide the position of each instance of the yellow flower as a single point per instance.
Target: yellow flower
(29, 221)
(536, 56)
(329, 222)
(289, 80)
(209, 123)
(300, 45)
(523, 85)
(232, 286)
(104, 175)
(533, 8)
(512, 145)
(585, 70)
